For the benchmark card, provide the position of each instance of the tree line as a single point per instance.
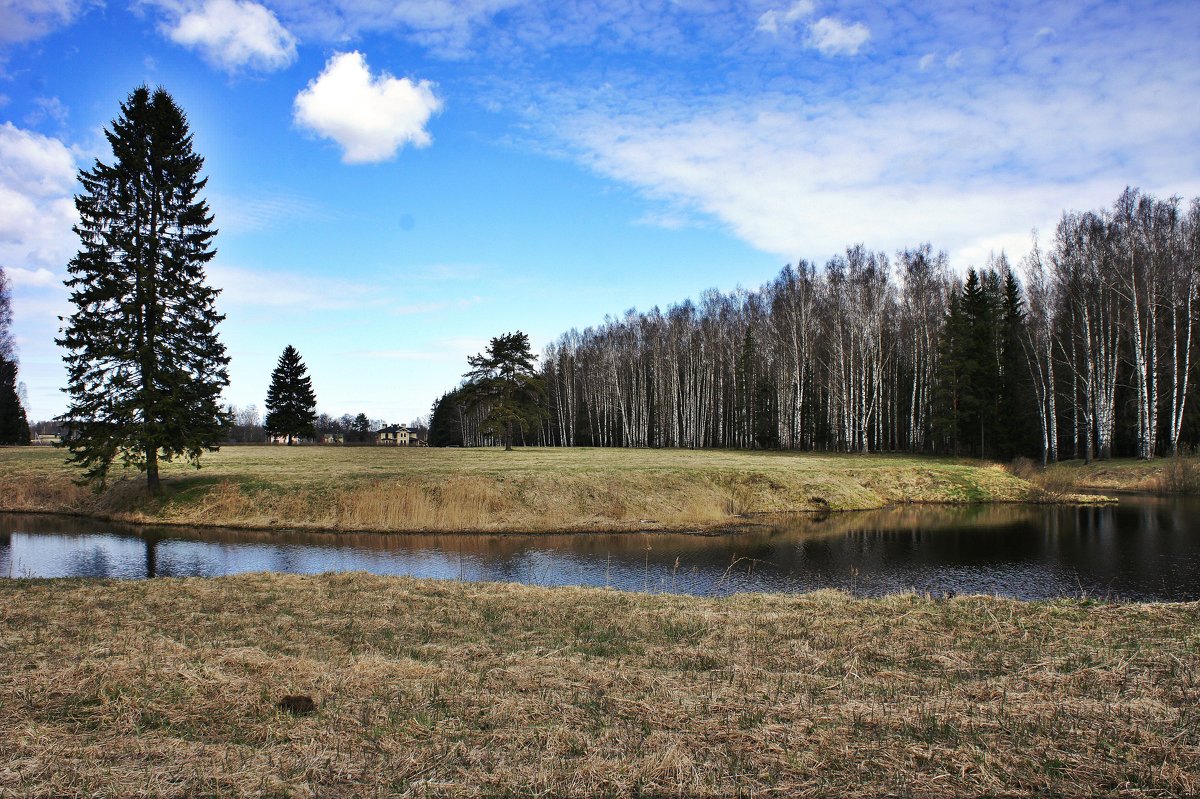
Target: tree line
(1084, 349)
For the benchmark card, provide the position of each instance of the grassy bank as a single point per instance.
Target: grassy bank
(169, 687)
(1179, 475)
(385, 489)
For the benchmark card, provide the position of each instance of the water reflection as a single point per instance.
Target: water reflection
(1143, 549)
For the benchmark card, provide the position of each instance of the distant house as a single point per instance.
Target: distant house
(398, 436)
(332, 438)
(393, 436)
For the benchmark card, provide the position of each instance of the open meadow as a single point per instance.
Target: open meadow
(429, 688)
(535, 489)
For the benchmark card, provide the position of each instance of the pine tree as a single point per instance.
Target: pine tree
(503, 381)
(291, 404)
(145, 368)
(362, 428)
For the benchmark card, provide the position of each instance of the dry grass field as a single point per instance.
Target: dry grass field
(385, 489)
(426, 688)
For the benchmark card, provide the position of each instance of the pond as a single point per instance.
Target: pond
(1141, 549)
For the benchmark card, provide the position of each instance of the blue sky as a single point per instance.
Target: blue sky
(396, 182)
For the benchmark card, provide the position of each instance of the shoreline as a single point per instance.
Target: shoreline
(749, 522)
(360, 490)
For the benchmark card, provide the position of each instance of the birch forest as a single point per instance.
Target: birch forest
(1081, 349)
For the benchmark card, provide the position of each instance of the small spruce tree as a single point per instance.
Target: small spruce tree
(291, 404)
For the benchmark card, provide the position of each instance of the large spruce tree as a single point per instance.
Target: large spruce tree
(144, 365)
(291, 403)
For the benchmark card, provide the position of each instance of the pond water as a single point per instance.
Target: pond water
(1142, 549)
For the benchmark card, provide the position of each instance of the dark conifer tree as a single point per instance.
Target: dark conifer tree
(979, 363)
(1015, 433)
(145, 368)
(503, 380)
(445, 429)
(951, 378)
(14, 427)
(291, 403)
(362, 428)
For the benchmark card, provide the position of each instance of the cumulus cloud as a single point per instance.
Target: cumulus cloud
(37, 177)
(831, 36)
(235, 34)
(23, 20)
(370, 117)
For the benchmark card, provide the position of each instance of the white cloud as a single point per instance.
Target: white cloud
(37, 177)
(369, 117)
(23, 20)
(232, 34)
(32, 277)
(807, 179)
(771, 20)
(831, 36)
(927, 61)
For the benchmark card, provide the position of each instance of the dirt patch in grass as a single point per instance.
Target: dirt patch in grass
(172, 688)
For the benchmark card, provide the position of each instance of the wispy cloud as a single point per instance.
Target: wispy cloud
(794, 179)
(771, 20)
(446, 27)
(437, 306)
(24, 20)
(249, 213)
(1011, 131)
(370, 117)
(282, 289)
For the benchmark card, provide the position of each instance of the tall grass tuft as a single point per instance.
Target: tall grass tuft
(1181, 475)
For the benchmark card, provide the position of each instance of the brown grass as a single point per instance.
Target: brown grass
(384, 489)
(1174, 475)
(426, 688)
